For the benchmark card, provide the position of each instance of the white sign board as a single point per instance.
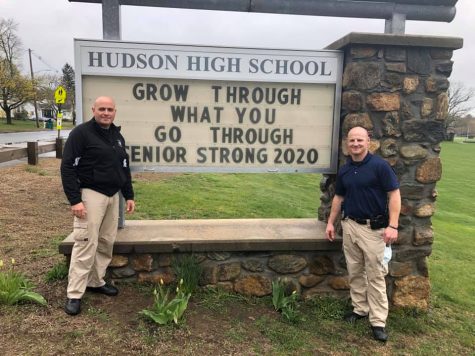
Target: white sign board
(209, 109)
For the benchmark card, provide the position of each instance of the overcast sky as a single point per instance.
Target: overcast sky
(49, 26)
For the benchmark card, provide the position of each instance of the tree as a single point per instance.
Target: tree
(46, 85)
(459, 97)
(68, 82)
(15, 88)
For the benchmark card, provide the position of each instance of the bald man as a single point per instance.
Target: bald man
(95, 167)
(367, 195)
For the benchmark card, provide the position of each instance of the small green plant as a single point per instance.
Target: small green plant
(188, 269)
(329, 308)
(16, 288)
(285, 303)
(166, 309)
(57, 273)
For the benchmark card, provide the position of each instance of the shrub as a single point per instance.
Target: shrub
(20, 114)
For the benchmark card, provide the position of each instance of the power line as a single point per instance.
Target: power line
(44, 62)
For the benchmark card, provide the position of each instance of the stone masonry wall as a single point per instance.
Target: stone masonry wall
(399, 94)
(248, 273)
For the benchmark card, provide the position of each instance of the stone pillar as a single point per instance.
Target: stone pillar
(396, 87)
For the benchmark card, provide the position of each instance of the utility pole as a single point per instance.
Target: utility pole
(34, 88)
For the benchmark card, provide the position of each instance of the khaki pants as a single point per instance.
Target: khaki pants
(364, 250)
(94, 239)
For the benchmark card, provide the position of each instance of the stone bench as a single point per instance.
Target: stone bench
(165, 236)
(240, 255)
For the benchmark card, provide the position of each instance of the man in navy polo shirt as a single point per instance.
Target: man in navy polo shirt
(367, 193)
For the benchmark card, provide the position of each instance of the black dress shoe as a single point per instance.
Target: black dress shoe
(106, 289)
(73, 306)
(352, 317)
(379, 333)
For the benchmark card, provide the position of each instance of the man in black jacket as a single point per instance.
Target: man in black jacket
(95, 167)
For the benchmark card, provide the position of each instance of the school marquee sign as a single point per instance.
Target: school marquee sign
(216, 109)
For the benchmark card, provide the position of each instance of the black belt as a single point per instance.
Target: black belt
(359, 221)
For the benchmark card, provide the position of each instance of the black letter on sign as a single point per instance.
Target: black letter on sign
(138, 91)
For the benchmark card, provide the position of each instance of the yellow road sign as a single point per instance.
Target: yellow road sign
(59, 121)
(60, 95)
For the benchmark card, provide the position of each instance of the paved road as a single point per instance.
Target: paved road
(19, 139)
(22, 137)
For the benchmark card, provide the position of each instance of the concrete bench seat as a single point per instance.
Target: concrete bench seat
(163, 236)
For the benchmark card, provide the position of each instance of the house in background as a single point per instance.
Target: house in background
(46, 111)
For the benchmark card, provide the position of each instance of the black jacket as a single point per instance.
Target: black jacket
(95, 158)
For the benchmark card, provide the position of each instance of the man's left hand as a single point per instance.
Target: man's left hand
(130, 206)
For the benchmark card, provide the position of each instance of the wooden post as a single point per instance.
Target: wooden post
(32, 149)
(59, 147)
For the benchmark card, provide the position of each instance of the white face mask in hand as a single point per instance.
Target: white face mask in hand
(388, 253)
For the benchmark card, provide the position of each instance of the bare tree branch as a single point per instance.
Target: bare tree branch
(15, 88)
(10, 44)
(459, 96)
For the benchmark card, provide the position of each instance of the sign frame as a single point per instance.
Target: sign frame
(81, 46)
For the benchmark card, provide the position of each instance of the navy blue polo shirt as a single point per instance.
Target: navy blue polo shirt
(364, 186)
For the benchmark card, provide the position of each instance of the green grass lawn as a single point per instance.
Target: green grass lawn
(221, 196)
(452, 264)
(27, 125)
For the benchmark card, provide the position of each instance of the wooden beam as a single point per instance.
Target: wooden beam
(46, 148)
(11, 154)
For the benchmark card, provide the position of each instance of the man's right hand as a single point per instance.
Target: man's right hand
(79, 210)
(330, 232)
